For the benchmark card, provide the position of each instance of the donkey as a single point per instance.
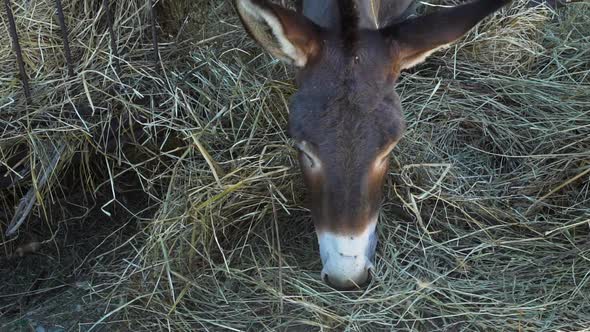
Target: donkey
(346, 117)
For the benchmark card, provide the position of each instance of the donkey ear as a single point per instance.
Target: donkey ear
(419, 37)
(286, 34)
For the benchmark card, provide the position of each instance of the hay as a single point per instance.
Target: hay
(493, 176)
(91, 115)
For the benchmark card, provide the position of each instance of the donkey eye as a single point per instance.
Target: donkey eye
(306, 159)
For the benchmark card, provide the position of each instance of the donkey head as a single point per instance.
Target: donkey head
(346, 117)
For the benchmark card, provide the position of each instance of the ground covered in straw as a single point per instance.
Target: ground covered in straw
(167, 197)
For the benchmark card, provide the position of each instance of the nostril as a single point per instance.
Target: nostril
(326, 279)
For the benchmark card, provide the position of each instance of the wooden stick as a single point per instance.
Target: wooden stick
(28, 201)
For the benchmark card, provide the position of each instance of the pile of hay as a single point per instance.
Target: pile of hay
(486, 220)
(77, 130)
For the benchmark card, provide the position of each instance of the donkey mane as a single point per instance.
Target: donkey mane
(368, 14)
(349, 23)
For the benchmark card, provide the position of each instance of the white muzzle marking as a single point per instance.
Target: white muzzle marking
(347, 258)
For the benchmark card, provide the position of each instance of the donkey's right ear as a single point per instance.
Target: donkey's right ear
(419, 37)
(284, 33)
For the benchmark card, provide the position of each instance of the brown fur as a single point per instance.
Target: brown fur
(346, 108)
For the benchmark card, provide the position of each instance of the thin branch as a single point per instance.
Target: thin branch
(64, 33)
(154, 35)
(107, 9)
(28, 201)
(19, 56)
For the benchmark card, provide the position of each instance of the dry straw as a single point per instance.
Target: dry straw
(485, 225)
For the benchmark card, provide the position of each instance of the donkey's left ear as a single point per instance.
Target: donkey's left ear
(419, 37)
(284, 33)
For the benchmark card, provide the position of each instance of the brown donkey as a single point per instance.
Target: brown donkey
(346, 117)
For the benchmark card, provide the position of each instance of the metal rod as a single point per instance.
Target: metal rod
(64, 33)
(106, 6)
(154, 35)
(19, 56)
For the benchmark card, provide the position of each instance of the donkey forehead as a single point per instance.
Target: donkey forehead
(369, 53)
(348, 88)
(333, 124)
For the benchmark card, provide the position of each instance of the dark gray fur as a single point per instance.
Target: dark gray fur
(373, 14)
